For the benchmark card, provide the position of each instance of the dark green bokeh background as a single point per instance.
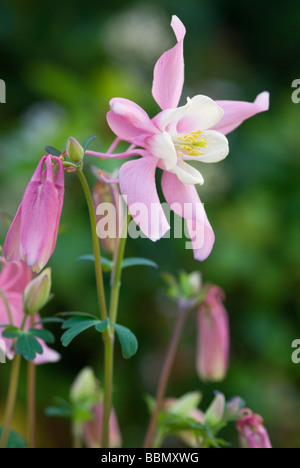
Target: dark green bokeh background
(62, 62)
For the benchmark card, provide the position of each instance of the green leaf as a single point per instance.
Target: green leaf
(55, 411)
(107, 265)
(87, 143)
(28, 346)
(14, 440)
(76, 326)
(63, 409)
(43, 334)
(77, 314)
(53, 151)
(135, 261)
(127, 340)
(11, 332)
(102, 326)
(48, 320)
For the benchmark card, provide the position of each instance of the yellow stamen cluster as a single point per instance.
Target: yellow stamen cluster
(190, 143)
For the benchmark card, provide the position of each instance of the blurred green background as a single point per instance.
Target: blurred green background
(62, 63)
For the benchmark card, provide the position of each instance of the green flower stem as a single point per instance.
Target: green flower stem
(11, 399)
(31, 394)
(12, 393)
(109, 343)
(96, 246)
(164, 377)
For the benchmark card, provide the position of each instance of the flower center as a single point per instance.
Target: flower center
(190, 144)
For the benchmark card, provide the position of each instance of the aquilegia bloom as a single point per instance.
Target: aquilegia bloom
(169, 141)
(213, 337)
(33, 233)
(252, 433)
(14, 278)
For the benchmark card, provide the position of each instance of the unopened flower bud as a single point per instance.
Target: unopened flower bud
(252, 433)
(215, 412)
(92, 430)
(233, 408)
(213, 337)
(84, 387)
(110, 210)
(74, 149)
(37, 292)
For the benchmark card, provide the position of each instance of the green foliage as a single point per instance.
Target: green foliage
(14, 440)
(26, 341)
(87, 143)
(53, 151)
(127, 262)
(127, 340)
(77, 325)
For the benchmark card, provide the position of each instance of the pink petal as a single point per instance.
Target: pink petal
(129, 121)
(15, 276)
(40, 209)
(213, 338)
(48, 356)
(169, 71)
(235, 112)
(137, 184)
(11, 250)
(185, 202)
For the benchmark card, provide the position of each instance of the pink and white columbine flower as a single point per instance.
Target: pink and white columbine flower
(33, 233)
(252, 433)
(213, 337)
(169, 141)
(14, 278)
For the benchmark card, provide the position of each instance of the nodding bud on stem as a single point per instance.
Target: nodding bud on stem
(74, 150)
(213, 337)
(215, 412)
(110, 210)
(252, 433)
(37, 293)
(84, 387)
(33, 234)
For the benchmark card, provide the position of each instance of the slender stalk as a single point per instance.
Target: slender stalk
(11, 399)
(31, 394)
(7, 306)
(113, 145)
(109, 343)
(96, 246)
(164, 376)
(76, 432)
(12, 393)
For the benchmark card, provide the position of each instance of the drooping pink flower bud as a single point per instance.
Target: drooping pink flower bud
(252, 433)
(110, 210)
(92, 430)
(33, 233)
(213, 337)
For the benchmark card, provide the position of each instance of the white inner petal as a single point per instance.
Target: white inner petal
(162, 146)
(188, 174)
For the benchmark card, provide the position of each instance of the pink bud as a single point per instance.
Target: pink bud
(92, 430)
(33, 233)
(252, 433)
(108, 230)
(213, 337)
